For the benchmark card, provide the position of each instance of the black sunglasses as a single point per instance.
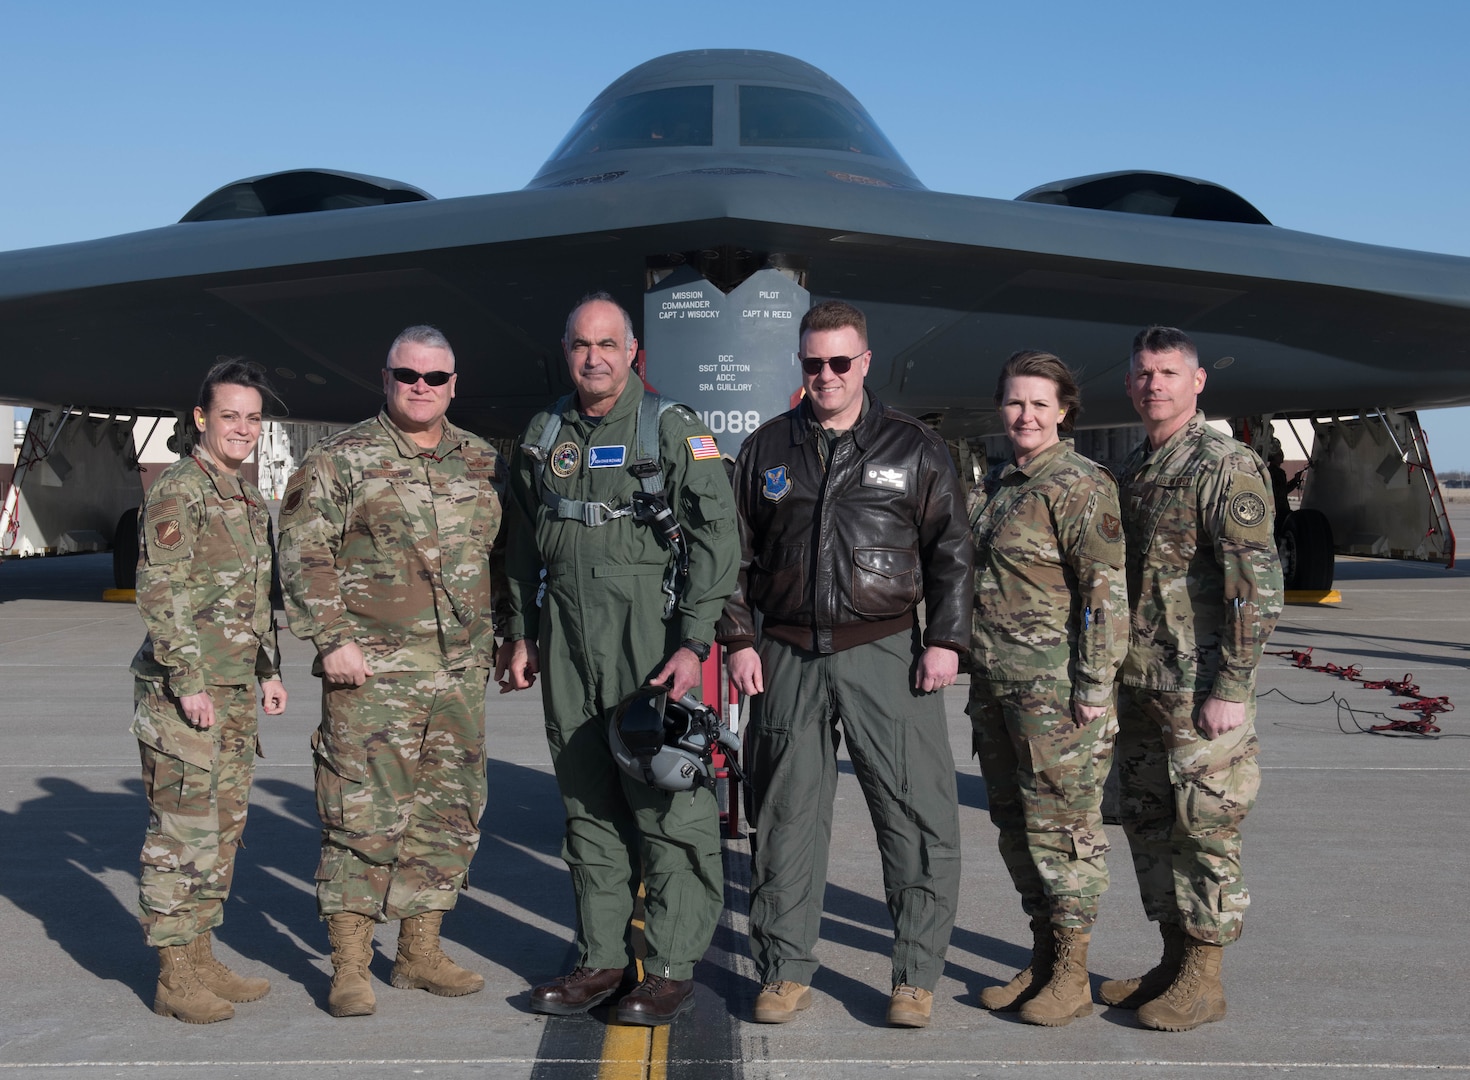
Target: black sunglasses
(840, 365)
(408, 376)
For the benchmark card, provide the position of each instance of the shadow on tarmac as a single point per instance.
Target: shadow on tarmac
(57, 847)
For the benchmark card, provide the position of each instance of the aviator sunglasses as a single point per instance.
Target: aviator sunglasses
(408, 376)
(840, 365)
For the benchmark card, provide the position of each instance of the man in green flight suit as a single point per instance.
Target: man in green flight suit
(588, 603)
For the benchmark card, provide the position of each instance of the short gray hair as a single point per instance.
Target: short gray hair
(606, 298)
(429, 336)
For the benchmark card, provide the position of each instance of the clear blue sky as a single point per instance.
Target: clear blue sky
(1349, 120)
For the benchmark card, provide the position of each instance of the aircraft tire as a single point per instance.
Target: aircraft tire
(1306, 551)
(125, 551)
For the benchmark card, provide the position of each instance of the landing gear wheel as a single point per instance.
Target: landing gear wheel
(125, 551)
(1305, 546)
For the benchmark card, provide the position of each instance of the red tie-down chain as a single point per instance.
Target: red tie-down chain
(1421, 704)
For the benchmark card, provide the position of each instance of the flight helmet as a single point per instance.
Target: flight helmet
(668, 744)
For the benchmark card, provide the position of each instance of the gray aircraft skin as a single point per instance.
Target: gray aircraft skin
(728, 161)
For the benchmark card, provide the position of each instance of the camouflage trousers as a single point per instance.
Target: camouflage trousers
(198, 788)
(1044, 777)
(400, 787)
(1183, 799)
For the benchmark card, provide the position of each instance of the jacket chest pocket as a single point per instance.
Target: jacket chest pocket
(391, 505)
(1165, 528)
(885, 581)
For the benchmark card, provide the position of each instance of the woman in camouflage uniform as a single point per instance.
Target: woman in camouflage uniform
(204, 580)
(1050, 629)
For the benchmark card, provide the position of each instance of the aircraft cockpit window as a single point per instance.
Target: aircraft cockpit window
(776, 116)
(678, 116)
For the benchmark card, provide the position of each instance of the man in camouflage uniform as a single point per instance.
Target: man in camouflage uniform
(386, 533)
(1050, 629)
(598, 633)
(203, 591)
(1205, 588)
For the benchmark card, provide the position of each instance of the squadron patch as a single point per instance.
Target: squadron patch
(295, 492)
(564, 459)
(168, 533)
(1247, 509)
(1110, 528)
(777, 483)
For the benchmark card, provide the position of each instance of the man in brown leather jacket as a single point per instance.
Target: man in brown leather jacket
(850, 515)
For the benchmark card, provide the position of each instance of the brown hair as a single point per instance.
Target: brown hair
(1044, 365)
(835, 315)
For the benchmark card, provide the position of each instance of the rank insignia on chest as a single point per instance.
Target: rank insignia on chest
(884, 476)
(778, 483)
(605, 457)
(564, 459)
(1247, 509)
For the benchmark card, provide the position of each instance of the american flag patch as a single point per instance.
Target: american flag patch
(702, 446)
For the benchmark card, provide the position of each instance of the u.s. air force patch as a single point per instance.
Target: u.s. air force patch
(1110, 528)
(564, 459)
(1247, 509)
(777, 483)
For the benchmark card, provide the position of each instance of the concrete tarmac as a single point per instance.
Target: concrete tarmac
(1352, 963)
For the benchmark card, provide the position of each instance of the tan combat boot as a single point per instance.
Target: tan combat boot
(1024, 984)
(779, 1002)
(220, 980)
(1131, 993)
(352, 951)
(910, 1006)
(180, 992)
(1066, 994)
(421, 963)
(1195, 997)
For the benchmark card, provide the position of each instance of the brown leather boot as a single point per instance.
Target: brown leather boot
(352, 951)
(181, 994)
(1194, 998)
(656, 1000)
(1066, 995)
(219, 979)
(421, 963)
(578, 990)
(1131, 993)
(1025, 983)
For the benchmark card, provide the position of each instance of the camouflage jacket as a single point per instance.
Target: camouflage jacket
(1204, 582)
(204, 581)
(388, 545)
(1050, 597)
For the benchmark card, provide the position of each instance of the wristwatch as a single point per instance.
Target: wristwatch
(698, 648)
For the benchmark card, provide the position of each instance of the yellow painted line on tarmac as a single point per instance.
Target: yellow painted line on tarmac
(1313, 596)
(120, 596)
(635, 1051)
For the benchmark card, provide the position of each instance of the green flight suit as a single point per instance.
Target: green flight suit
(601, 634)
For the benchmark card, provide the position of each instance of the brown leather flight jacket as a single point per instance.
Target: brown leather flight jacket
(841, 554)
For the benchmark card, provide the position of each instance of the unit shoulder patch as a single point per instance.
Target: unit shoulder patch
(565, 459)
